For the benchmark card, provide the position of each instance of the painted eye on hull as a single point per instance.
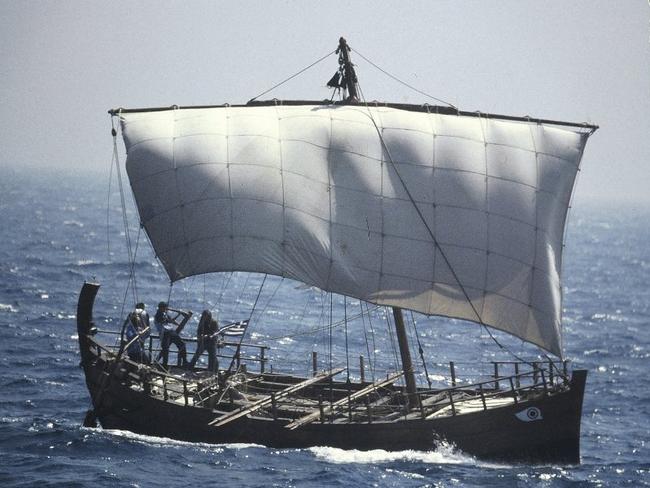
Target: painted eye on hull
(530, 414)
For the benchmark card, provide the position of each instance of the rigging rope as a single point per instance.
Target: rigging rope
(403, 82)
(241, 338)
(321, 328)
(389, 326)
(224, 285)
(124, 215)
(131, 276)
(108, 207)
(371, 363)
(420, 349)
(347, 351)
(372, 335)
(330, 332)
(292, 76)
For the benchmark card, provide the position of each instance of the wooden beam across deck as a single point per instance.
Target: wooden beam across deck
(307, 419)
(268, 400)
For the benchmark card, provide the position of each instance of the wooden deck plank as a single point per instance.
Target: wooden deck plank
(307, 419)
(266, 401)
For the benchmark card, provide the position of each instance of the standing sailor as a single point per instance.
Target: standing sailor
(142, 313)
(206, 339)
(169, 331)
(136, 329)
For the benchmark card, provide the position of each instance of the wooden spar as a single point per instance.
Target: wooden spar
(307, 419)
(431, 109)
(405, 353)
(264, 402)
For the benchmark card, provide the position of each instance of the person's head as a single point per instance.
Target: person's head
(162, 306)
(139, 306)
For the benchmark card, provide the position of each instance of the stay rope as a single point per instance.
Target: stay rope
(292, 76)
(371, 362)
(125, 220)
(402, 82)
(420, 349)
(241, 338)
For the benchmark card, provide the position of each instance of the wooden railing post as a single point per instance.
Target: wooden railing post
(517, 375)
(321, 409)
(480, 390)
(452, 370)
(541, 372)
(496, 375)
(314, 363)
(513, 390)
(274, 406)
(362, 369)
(451, 402)
(422, 414)
(349, 385)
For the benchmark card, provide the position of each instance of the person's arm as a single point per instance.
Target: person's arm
(186, 316)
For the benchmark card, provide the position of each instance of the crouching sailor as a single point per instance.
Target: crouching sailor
(136, 329)
(169, 331)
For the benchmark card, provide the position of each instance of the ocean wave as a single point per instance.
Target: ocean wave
(5, 307)
(444, 454)
(167, 442)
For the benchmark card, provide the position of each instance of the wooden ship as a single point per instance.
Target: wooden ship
(422, 208)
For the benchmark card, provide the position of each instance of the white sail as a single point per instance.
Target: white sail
(311, 193)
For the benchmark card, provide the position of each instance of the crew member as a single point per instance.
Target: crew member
(207, 333)
(136, 330)
(169, 331)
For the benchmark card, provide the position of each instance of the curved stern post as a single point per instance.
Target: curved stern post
(85, 325)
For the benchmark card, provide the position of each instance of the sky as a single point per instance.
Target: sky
(65, 63)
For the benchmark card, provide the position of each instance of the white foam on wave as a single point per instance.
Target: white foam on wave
(4, 307)
(167, 442)
(445, 454)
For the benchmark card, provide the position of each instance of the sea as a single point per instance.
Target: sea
(61, 227)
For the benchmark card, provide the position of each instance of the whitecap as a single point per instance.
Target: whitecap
(444, 454)
(167, 442)
(7, 308)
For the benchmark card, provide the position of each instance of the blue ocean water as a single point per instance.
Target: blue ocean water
(57, 232)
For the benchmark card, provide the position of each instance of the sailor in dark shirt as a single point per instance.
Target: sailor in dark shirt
(206, 335)
(136, 330)
(169, 331)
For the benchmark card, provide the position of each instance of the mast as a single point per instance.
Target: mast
(349, 81)
(407, 364)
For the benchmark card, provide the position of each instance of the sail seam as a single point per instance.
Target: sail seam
(486, 216)
(284, 203)
(329, 196)
(186, 244)
(315, 254)
(231, 247)
(536, 243)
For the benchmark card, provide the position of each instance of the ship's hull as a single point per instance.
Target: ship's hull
(503, 434)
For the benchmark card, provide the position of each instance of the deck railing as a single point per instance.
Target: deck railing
(247, 353)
